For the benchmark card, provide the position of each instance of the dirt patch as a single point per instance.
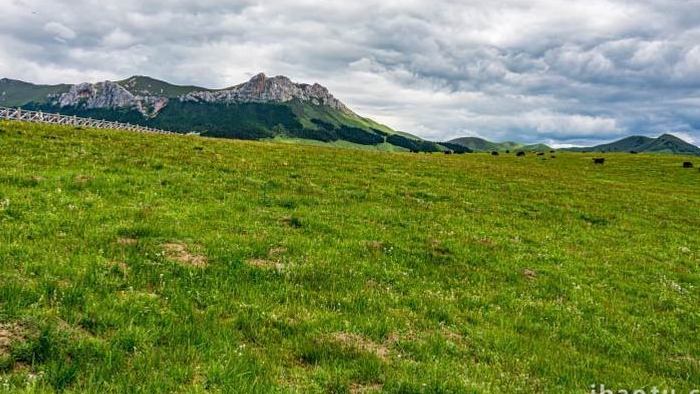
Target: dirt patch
(452, 336)
(357, 388)
(529, 274)
(486, 241)
(277, 251)
(10, 333)
(127, 241)
(82, 179)
(360, 343)
(180, 252)
(266, 264)
(273, 260)
(376, 246)
(686, 359)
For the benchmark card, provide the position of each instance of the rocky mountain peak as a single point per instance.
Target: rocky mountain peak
(261, 88)
(99, 95)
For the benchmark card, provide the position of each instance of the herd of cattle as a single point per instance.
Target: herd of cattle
(596, 160)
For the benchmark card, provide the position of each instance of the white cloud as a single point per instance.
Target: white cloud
(59, 31)
(118, 38)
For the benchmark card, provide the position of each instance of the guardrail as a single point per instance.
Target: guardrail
(42, 117)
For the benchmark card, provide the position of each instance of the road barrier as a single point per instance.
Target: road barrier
(42, 117)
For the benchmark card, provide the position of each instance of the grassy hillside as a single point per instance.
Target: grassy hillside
(293, 120)
(17, 93)
(150, 263)
(481, 145)
(665, 143)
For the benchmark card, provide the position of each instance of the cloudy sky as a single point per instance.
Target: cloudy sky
(563, 72)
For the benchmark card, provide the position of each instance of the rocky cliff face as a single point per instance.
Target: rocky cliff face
(110, 95)
(260, 89)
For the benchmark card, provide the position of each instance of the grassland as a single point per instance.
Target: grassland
(149, 263)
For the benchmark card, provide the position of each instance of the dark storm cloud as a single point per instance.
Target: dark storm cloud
(559, 71)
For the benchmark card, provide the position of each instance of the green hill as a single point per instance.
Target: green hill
(481, 145)
(139, 84)
(665, 143)
(15, 93)
(170, 263)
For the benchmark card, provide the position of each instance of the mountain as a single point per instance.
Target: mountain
(665, 143)
(261, 108)
(15, 93)
(481, 145)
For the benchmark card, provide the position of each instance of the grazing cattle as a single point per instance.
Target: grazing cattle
(540, 154)
(448, 152)
(687, 164)
(521, 153)
(551, 151)
(598, 160)
(494, 153)
(507, 151)
(634, 152)
(553, 157)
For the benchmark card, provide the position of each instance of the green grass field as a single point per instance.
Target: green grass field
(151, 263)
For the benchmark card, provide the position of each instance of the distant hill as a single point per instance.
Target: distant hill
(15, 93)
(261, 108)
(666, 143)
(481, 145)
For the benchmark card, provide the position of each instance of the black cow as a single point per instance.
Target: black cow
(540, 154)
(448, 152)
(520, 153)
(553, 157)
(494, 153)
(598, 160)
(507, 151)
(687, 164)
(634, 152)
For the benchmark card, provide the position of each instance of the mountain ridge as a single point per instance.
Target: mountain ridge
(665, 143)
(478, 144)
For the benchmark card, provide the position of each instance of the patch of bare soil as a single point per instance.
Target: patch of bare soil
(486, 241)
(360, 343)
(375, 246)
(10, 333)
(127, 241)
(529, 274)
(357, 388)
(277, 251)
(82, 179)
(273, 260)
(263, 263)
(181, 253)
